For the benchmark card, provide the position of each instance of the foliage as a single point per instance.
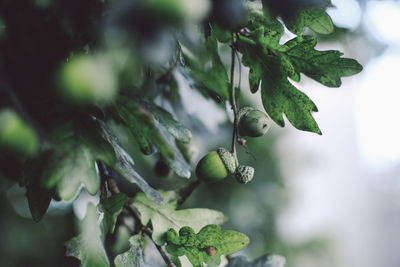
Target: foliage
(207, 245)
(99, 71)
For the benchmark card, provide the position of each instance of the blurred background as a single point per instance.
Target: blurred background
(320, 201)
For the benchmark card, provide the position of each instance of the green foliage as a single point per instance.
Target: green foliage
(134, 256)
(88, 247)
(212, 81)
(111, 207)
(104, 65)
(206, 246)
(165, 216)
(314, 18)
(73, 162)
(271, 64)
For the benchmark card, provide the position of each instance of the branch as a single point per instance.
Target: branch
(233, 98)
(186, 191)
(147, 231)
(113, 187)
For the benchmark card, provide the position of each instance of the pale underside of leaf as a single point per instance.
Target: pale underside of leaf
(125, 164)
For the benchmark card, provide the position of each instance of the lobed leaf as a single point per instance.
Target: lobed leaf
(87, 246)
(134, 256)
(208, 245)
(314, 18)
(271, 64)
(111, 207)
(73, 163)
(165, 216)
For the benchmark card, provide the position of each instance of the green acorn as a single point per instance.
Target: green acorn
(16, 136)
(253, 122)
(244, 174)
(216, 165)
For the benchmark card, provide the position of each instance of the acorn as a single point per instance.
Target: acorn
(216, 165)
(16, 136)
(244, 174)
(253, 122)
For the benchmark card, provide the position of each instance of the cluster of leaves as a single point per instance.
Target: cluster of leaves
(58, 141)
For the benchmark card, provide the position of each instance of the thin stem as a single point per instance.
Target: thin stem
(233, 98)
(186, 191)
(147, 231)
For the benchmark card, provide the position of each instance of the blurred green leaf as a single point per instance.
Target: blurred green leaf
(174, 127)
(141, 124)
(266, 260)
(73, 162)
(165, 216)
(206, 246)
(112, 207)
(314, 18)
(212, 81)
(134, 256)
(88, 247)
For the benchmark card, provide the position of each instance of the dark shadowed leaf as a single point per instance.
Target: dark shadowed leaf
(111, 207)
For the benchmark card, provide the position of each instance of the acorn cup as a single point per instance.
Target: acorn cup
(216, 165)
(253, 122)
(244, 174)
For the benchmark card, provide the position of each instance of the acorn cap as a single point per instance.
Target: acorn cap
(228, 159)
(244, 174)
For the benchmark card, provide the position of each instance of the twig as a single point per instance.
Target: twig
(147, 231)
(113, 187)
(186, 191)
(233, 98)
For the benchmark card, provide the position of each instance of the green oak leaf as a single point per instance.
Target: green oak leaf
(314, 18)
(278, 95)
(141, 124)
(174, 127)
(206, 246)
(133, 257)
(326, 67)
(150, 124)
(112, 207)
(271, 64)
(88, 246)
(267, 260)
(165, 216)
(73, 162)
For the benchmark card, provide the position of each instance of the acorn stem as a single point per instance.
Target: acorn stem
(233, 99)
